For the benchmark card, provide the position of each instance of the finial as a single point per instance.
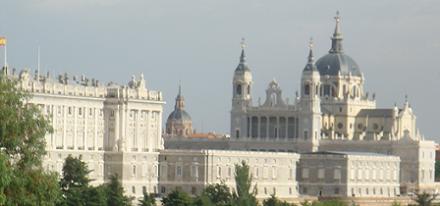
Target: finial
(180, 89)
(310, 58)
(337, 17)
(243, 55)
(337, 36)
(243, 43)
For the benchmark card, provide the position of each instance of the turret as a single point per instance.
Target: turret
(310, 104)
(242, 83)
(241, 95)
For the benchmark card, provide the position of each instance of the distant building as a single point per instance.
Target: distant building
(179, 122)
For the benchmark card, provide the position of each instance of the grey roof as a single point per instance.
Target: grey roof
(346, 153)
(179, 115)
(376, 112)
(242, 66)
(333, 63)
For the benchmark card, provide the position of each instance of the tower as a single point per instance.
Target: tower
(179, 122)
(310, 105)
(241, 95)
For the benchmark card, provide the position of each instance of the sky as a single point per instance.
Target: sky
(396, 44)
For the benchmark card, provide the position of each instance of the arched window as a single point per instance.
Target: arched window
(237, 133)
(249, 89)
(307, 89)
(238, 90)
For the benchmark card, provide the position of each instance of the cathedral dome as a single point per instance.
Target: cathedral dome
(179, 122)
(179, 115)
(337, 63)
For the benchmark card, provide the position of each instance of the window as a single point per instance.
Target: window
(237, 133)
(133, 189)
(163, 190)
(90, 111)
(179, 171)
(219, 171)
(336, 190)
(229, 172)
(134, 170)
(307, 89)
(265, 172)
(238, 89)
(256, 172)
(193, 190)
(80, 111)
(340, 125)
(144, 189)
(195, 171)
(265, 191)
(321, 172)
(274, 172)
(337, 174)
(305, 173)
(69, 110)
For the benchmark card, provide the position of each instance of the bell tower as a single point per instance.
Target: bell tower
(241, 95)
(310, 105)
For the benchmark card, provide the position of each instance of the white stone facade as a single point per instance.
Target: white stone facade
(349, 174)
(192, 170)
(115, 129)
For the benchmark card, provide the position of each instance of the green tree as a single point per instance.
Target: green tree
(148, 200)
(243, 196)
(424, 199)
(274, 201)
(22, 129)
(75, 185)
(218, 194)
(177, 198)
(115, 193)
(437, 170)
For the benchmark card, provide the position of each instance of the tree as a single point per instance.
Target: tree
(75, 173)
(437, 170)
(22, 144)
(115, 193)
(148, 200)
(424, 199)
(243, 182)
(274, 201)
(177, 198)
(218, 194)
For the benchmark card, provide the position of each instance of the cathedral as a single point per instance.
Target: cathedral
(331, 141)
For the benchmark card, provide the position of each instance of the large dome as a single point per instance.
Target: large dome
(333, 63)
(179, 115)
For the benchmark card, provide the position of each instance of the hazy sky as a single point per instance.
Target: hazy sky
(395, 42)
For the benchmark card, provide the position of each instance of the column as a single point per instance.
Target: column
(277, 128)
(159, 133)
(136, 129)
(85, 113)
(251, 127)
(286, 122)
(95, 139)
(259, 126)
(64, 127)
(267, 127)
(147, 133)
(75, 126)
(116, 136)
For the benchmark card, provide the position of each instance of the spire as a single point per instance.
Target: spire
(310, 59)
(337, 36)
(243, 55)
(180, 101)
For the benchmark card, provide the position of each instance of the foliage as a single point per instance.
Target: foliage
(274, 201)
(75, 185)
(437, 170)
(424, 199)
(335, 202)
(203, 200)
(395, 203)
(243, 181)
(177, 198)
(218, 194)
(22, 129)
(115, 193)
(148, 200)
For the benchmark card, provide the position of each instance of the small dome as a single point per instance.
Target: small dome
(179, 115)
(333, 63)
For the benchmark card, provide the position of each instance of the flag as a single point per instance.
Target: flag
(2, 41)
